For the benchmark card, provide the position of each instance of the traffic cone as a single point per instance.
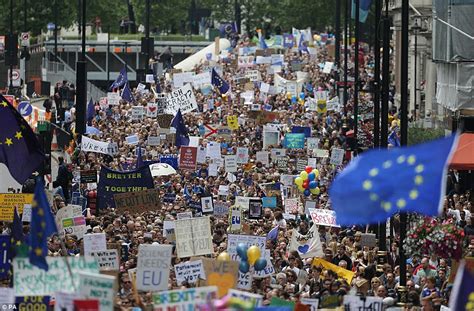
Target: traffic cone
(54, 142)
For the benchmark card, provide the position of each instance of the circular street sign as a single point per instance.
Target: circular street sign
(25, 108)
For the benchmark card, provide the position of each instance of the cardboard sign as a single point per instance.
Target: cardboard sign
(151, 110)
(291, 206)
(8, 201)
(231, 163)
(108, 260)
(188, 158)
(235, 219)
(164, 120)
(337, 156)
(30, 280)
(323, 217)
(222, 274)
(367, 303)
(138, 112)
(233, 122)
(193, 237)
(154, 141)
(92, 145)
(189, 272)
(88, 176)
(25, 303)
(263, 157)
(99, 287)
(235, 239)
(153, 267)
(113, 98)
(182, 98)
(138, 202)
(183, 299)
(368, 239)
(94, 242)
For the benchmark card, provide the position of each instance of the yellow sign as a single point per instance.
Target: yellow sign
(322, 106)
(8, 201)
(233, 122)
(341, 272)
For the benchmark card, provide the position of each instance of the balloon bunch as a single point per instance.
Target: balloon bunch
(250, 256)
(295, 99)
(307, 181)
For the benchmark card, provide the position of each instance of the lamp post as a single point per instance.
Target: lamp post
(416, 28)
(346, 52)
(81, 80)
(356, 75)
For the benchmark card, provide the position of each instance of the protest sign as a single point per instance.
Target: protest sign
(235, 219)
(137, 113)
(223, 274)
(282, 164)
(92, 145)
(107, 259)
(168, 230)
(183, 77)
(321, 153)
(291, 205)
(223, 190)
(312, 143)
(254, 299)
(263, 157)
(188, 158)
(328, 67)
(294, 141)
(30, 280)
(8, 201)
(151, 110)
(182, 98)
(255, 208)
(301, 164)
(7, 296)
(231, 163)
(253, 75)
(189, 272)
(88, 176)
(337, 155)
(207, 204)
(271, 138)
(268, 270)
(201, 79)
(311, 302)
(307, 245)
(69, 219)
(341, 272)
(242, 155)
(26, 215)
(154, 141)
(193, 237)
(245, 61)
(221, 209)
(64, 301)
(213, 150)
(244, 281)
(306, 130)
(323, 217)
(235, 239)
(94, 242)
(270, 202)
(183, 299)
(114, 182)
(184, 215)
(113, 98)
(363, 303)
(153, 267)
(99, 287)
(368, 239)
(138, 201)
(28, 303)
(233, 122)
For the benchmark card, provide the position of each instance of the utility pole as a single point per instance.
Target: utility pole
(356, 76)
(376, 84)
(337, 33)
(10, 88)
(81, 80)
(346, 53)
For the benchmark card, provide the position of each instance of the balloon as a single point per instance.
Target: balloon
(253, 253)
(300, 188)
(244, 266)
(307, 192)
(224, 256)
(242, 251)
(293, 99)
(288, 95)
(302, 95)
(316, 172)
(306, 184)
(308, 169)
(298, 181)
(260, 264)
(315, 191)
(301, 101)
(313, 184)
(311, 176)
(304, 175)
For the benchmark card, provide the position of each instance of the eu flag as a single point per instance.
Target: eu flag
(121, 79)
(5, 251)
(364, 8)
(380, 183)
(90, 111)
(218, 82)
(182, 138)
(127, 94)
(41, 227)
(19, 148)
(139, 157)
(462, 296)
(261, 39)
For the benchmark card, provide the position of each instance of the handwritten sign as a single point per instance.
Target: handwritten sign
(189, 272)
(99, 287)
(30, 280)
(182, 98)
(291, 205)
(368, 303)
(187, 158)
(231, 163)
(153, 267)
(108, 259)
(193, 237)
(8, 201)
(236, 219)
(235, 239)
(222, 274)
(255, 299)
(139, 201)
(337, 155)
(94, 242)
(323, 217)
(183, 299)
(26, 303)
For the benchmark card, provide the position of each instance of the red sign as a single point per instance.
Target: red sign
(86, 305)
(211, 130)
(188, 158)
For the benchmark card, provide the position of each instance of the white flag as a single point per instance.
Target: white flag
(307, 245)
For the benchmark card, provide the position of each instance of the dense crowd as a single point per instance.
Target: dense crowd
(427, 273)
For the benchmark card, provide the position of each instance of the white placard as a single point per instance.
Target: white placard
(92, 145)
(231, 163)
(368, 303)
(201, 155)
(94, 242)
(132, 139)
(138, 112)
(213, 150)
(151, 110)
(323, 217)
(149, 79)
(337, 155)
(154, 141)
(263, 157)
(113, 98)
(255, 299)
(193, 237)
(190, 272)
(202, 79)
(26, 216)
(108, 259)
(182, 98)
(328, 67)
(180, 78)
(235, 219)
(235, 239)
(153, 267)
(98, 286)
(242, 155)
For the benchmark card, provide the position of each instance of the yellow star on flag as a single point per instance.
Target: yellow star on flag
(4, 104)
(18, 135)
(8, 141)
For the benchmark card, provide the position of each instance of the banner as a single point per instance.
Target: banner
(182, 98)
(193, 237)
(183, 299)
(30, 280)
(27, 303)
(307, 245)
(294, 141)
(323, 217)
(341, 272)
(255, 299)
(8, 201)
(113, 182)
(138, 202)
(153, 267)
(188, 158)
(98, 287)
(189, 272)
(92, 145)
(202, 79)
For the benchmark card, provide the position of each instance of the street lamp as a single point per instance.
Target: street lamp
(415, 28)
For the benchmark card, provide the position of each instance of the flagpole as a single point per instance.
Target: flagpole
(63, 247)
(346, 54)
(356, 75)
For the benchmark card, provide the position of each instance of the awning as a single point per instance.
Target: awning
(463, 158)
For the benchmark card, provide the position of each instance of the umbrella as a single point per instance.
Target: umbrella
(161, 169)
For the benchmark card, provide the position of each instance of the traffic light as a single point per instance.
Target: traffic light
(11, 50)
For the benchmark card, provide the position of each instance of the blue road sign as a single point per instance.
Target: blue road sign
(25, 108)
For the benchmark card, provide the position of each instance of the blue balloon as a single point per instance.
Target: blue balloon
(242, 251)
(306, 192)
(311, 176)
(244, 266)
(293, 99)
(302, 95)
(313, 184)
(260, 264)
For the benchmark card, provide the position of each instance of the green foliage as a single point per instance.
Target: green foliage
(418, 135)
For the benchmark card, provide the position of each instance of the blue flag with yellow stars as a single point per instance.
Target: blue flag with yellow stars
(41, 227)
(20, 150)
(462, 296)
(121, 79)
(379, 183)
(182, 138)
(218, 82)
(5, 258)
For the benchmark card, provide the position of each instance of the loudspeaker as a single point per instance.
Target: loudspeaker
(140, 75)
(11, 50)
(148, 46)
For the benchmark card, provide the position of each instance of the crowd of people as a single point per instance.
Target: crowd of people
(428, 274)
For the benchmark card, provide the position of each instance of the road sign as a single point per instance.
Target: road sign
(25, 108)
(25, 39)
(15, 77)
